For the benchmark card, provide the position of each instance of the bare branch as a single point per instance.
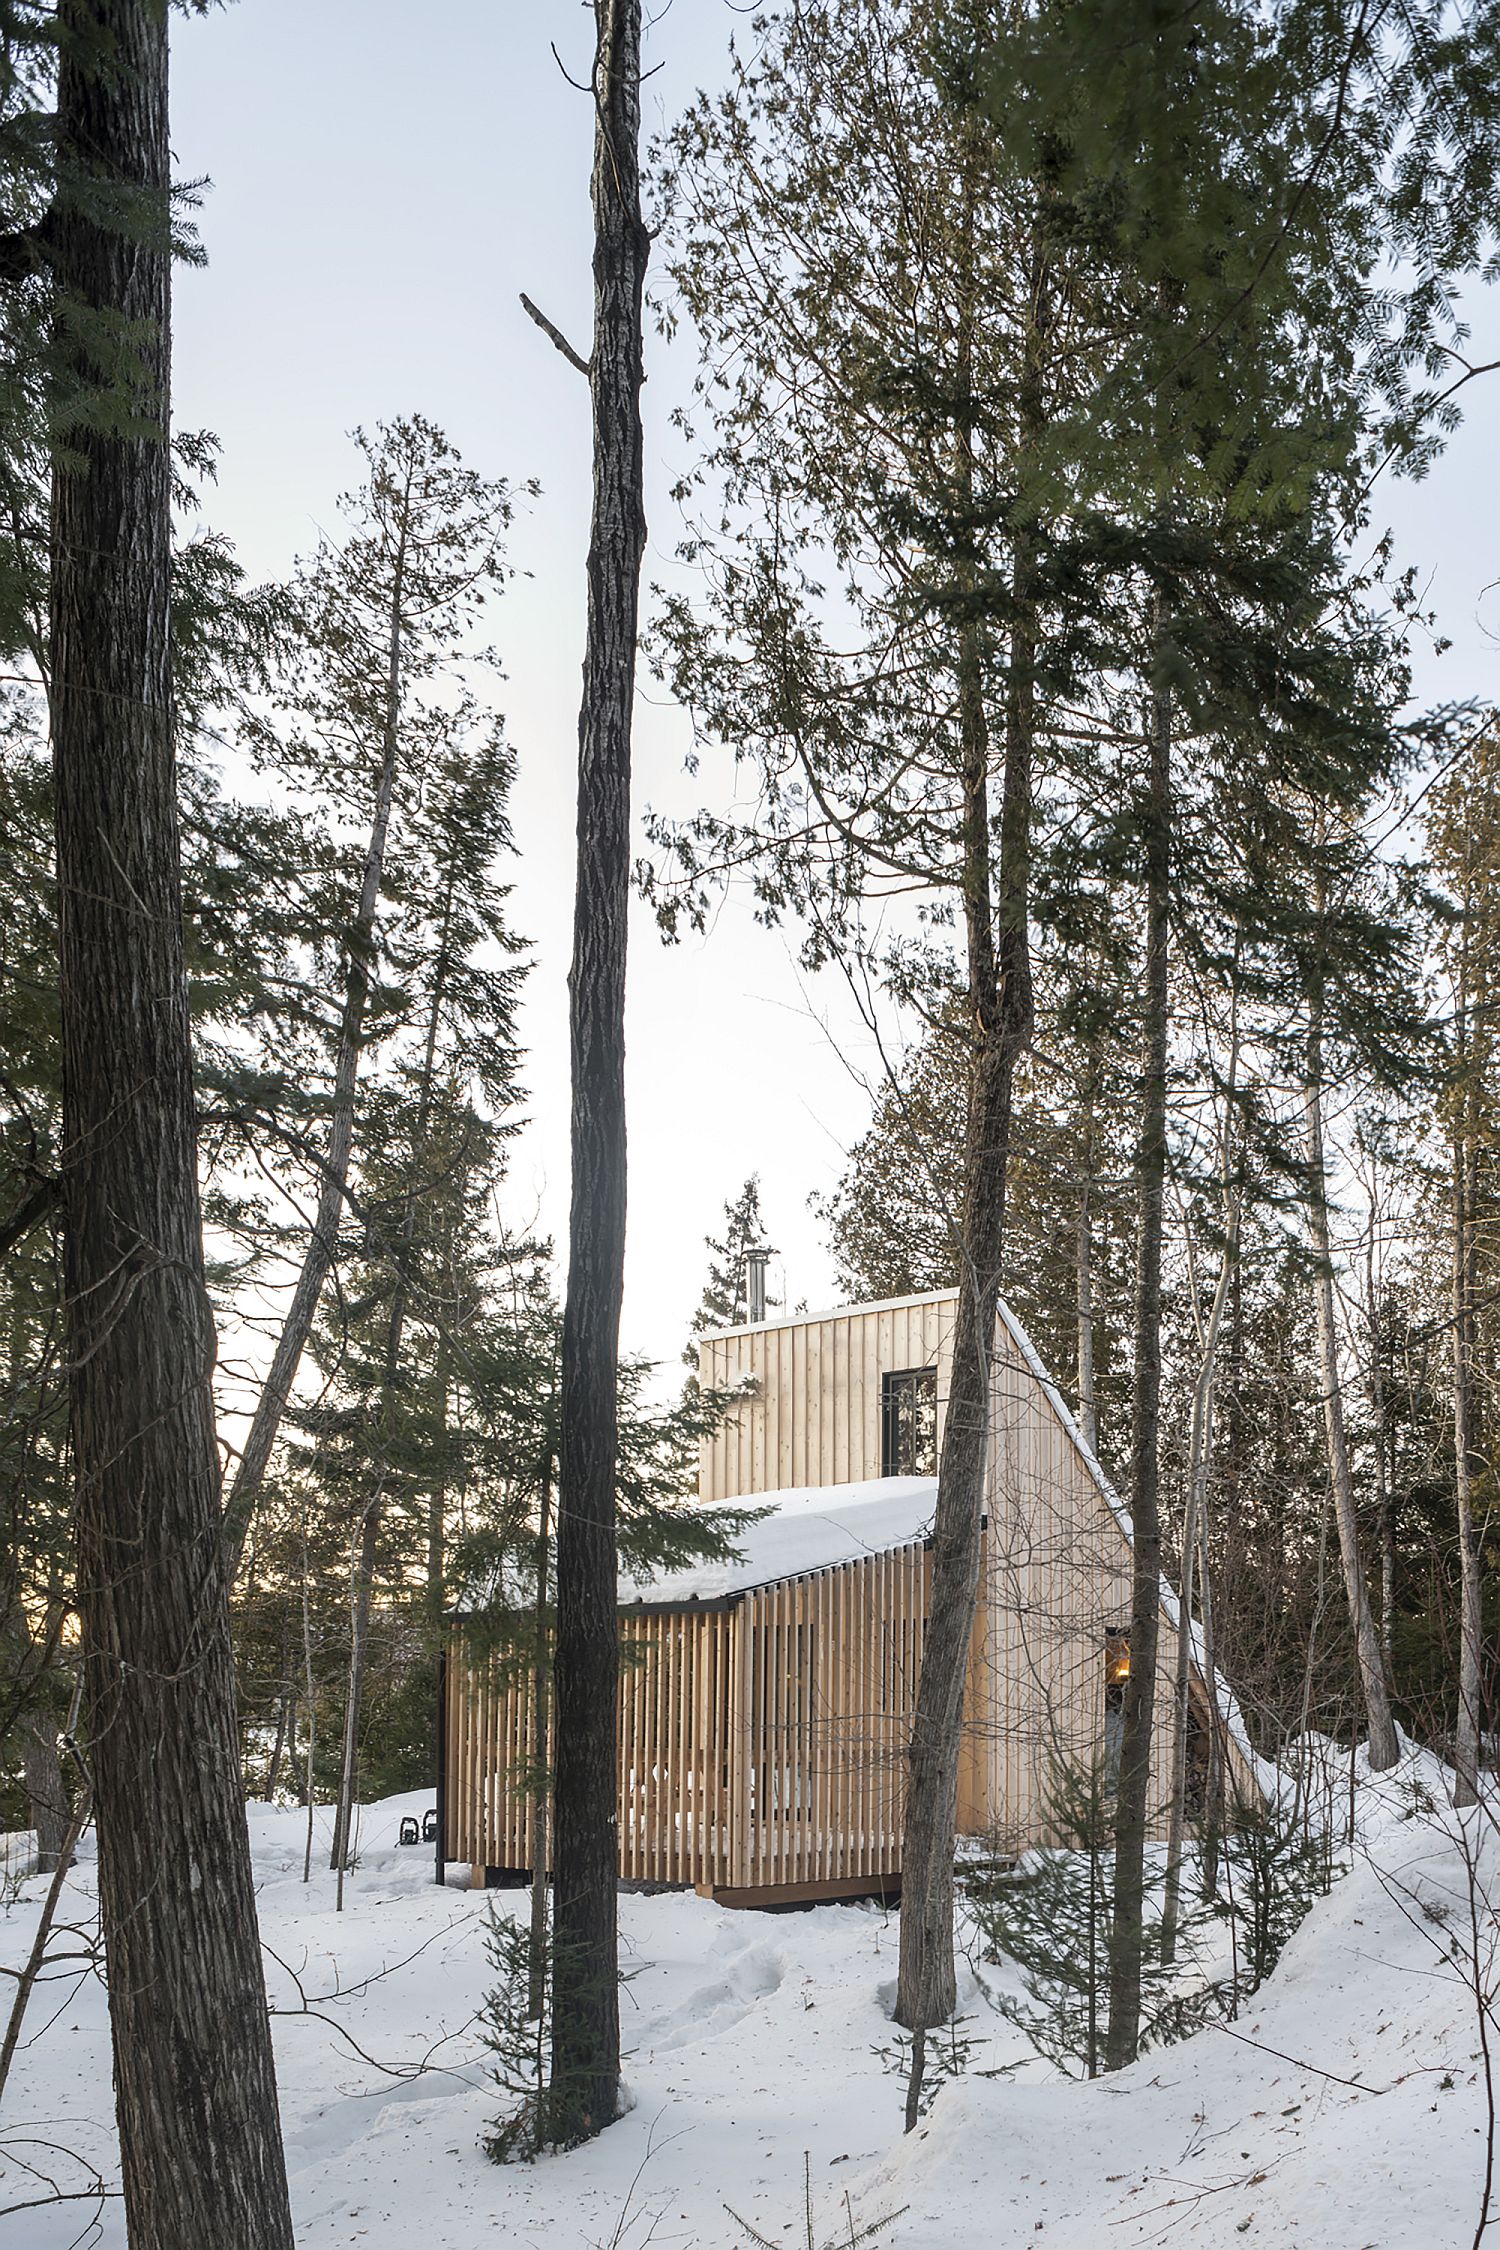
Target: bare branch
(550, 328)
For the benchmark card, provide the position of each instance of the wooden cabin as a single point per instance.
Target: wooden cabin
(766, 1704)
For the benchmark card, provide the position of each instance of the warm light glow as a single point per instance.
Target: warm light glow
(1117, 1662)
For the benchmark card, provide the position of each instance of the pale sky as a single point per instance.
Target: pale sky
(385, 180)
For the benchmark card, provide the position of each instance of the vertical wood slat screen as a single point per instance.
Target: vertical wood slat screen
(760, 1745)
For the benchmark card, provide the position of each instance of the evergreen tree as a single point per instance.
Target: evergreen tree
(373, 699)
(725, 1302)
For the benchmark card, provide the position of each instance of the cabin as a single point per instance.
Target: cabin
(766, 1704)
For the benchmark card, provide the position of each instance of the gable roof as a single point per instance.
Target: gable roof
(808, 1528)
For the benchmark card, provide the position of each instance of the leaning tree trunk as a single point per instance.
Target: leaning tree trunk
(1384, 1749)
(584, 2095)
(1133, 1791)
(195, 2089)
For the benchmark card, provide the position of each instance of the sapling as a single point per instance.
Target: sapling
(848, 2237)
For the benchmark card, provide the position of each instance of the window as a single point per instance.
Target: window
(908, 1423)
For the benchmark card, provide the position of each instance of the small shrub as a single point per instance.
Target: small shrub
(1275, 1868)
(519, 2043)
(1052, 1918)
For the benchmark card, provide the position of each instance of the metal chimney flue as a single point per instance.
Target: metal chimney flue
(756, 1262)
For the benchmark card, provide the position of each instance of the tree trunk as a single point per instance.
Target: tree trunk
(1385, 1499)
(285, 1703)
(46, 1796)
(437, 1503)
(317, 1260)
(362, 1550)
(1467, 1459)
(536, 1994)
(363, 1553)
(1133, 1793)
(584, 2094)
(1200, 1444)
(311, 1689)
(1083, 1263)
(1384, 1748)
(998, 963)
(195, 2088)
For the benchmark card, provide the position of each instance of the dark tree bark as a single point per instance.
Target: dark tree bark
(998, 963)
(194, 2084)
(46, 1796)
(1000, 1001)
(541, 1807)
(1133, 1795)
(586, 2007)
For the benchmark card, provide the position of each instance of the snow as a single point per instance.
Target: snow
(17, 1854)
(809, 1527)
(1344, 2111)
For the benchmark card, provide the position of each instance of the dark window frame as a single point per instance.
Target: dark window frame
(908, 1422)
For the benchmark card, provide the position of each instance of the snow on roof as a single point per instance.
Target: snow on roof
(812, 1527)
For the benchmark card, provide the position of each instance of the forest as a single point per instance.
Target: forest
(1016, 527)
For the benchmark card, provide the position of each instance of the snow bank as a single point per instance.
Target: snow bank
(810, 1527)
(1344, 2111)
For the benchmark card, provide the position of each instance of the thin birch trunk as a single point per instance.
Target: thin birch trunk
(1384, 1749)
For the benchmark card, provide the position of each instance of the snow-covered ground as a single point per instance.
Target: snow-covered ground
(1345, 2111)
